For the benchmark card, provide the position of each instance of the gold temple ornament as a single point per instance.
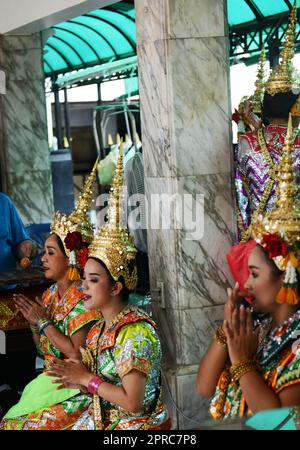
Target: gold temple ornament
(78, 220)
(257, 97)
(113, 245)
(282, 78)
(283, 223)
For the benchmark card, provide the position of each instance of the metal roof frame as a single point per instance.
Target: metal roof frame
(246, 39)
(104, 72)
(97, 37)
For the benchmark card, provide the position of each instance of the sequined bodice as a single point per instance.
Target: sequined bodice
(254, 169)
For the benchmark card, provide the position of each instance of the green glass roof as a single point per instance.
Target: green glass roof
(243, 11)
(109, 34)
(254, 23)
(98, 37)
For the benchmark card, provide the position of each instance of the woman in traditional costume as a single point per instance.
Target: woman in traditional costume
(120, 367)
(251, 369)
(259, 152)
(59, 322)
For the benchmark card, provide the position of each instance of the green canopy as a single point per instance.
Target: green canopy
(108, 35)
(253, 23)
(95, 38)
(242, 11)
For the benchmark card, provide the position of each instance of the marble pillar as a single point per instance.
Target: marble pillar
(183, 59)
(24, 148)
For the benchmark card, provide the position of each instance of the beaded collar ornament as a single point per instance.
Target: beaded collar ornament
(272, 342)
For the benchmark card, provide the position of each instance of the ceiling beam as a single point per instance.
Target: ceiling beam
(266, 21)
(288, 3)
(254, 9)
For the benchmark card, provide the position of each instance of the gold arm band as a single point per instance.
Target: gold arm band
(220, 336)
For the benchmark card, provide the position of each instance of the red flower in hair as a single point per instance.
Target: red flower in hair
(82, 257)
(236, 116)
(274, 245)
(73, 241)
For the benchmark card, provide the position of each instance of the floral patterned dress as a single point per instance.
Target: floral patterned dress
(279, 357)
(129, 342)
(42, 406)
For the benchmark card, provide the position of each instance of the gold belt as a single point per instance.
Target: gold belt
(114, 414)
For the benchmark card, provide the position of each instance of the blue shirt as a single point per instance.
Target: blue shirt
(12, 232)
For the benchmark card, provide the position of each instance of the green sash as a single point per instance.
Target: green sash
(39, 394)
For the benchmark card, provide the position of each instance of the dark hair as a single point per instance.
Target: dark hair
(60, 244)
(276, 273)
(274, 269)
(278, 105)
(125, 291)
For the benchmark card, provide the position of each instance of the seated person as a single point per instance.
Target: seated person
(15, 246)
(15, 243)
(250, 369)
(259, 152)
(59, 322)
(121, 362)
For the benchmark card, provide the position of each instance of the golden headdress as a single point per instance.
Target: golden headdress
(249, 118)
(282, 77)
(259, 84)
(67, 228)
(113, 244)
(279, 231)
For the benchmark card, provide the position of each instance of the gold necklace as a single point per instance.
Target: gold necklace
(119, 316)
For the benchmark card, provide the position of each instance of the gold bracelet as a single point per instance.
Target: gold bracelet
(220, 336)
(240, 368)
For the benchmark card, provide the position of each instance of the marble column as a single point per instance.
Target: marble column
(183, 59)
(24, 149)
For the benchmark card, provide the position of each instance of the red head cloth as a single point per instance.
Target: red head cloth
(237, 260)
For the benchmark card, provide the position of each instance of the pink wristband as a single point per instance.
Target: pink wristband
(94, 384)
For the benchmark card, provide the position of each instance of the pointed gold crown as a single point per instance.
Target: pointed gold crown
(282, 78)
(259, 83)
(78, 220)
(113, 244)
(284, 218)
